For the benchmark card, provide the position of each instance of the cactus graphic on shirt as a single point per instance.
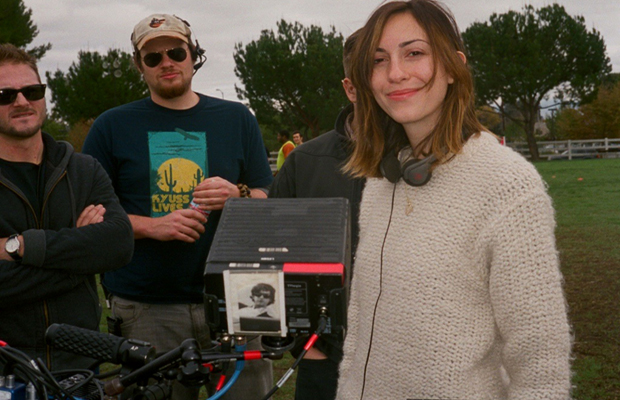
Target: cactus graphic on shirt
(199, 176)
(171, 183)
(178, 164)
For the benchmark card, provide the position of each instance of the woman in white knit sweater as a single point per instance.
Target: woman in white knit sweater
(457, 292)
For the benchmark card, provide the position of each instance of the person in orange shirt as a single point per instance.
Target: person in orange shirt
(287, 147)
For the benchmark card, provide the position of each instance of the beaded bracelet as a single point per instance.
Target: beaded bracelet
(244, 190)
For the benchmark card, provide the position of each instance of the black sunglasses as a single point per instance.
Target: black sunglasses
(177, 54)
(31, 93)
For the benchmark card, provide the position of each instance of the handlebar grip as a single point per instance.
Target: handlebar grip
(84, 342)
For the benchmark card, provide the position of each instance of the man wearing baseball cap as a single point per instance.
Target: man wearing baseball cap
(163, 152)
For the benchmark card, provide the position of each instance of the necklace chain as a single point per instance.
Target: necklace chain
(409, 205)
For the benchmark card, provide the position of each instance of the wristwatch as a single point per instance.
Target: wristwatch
(12, 247)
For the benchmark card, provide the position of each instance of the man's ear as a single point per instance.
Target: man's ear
(136, 63)
(349, 90)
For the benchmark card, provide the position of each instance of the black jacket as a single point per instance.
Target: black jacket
(55, 280)
(314, 169)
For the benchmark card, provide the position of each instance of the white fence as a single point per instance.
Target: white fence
(273, 158)
(557, 150)
(572, 149)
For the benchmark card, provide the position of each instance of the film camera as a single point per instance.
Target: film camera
(277, 266)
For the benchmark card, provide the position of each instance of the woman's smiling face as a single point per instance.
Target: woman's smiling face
(403, 68)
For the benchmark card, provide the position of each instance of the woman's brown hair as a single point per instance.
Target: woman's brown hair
(377, 133)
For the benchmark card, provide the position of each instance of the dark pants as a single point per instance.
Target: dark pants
(316, 380)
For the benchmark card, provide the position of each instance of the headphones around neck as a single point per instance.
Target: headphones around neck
(198, 52)
(414, 172)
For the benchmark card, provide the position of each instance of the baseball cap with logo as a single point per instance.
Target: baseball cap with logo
(158, 25)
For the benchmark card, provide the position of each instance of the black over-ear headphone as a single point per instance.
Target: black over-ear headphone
(414, 172)
(198, 52)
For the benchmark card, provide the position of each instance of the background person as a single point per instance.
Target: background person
(457, 292)
(315, 170)
(285, 149)
(60, 222)
(298, 138)
(161, 152)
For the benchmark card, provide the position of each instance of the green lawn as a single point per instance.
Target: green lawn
(586, 195)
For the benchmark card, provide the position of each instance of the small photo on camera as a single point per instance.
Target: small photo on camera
(255, 302)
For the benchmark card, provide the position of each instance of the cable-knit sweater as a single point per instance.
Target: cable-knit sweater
(457, 292)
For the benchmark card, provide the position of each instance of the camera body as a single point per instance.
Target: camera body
(277, 265)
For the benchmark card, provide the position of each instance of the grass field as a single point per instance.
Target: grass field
(586, 195)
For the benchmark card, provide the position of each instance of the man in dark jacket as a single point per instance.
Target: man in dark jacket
(315, 170)
(60, 222)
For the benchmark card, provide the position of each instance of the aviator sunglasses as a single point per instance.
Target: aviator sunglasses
(31, 93)
(177, 54)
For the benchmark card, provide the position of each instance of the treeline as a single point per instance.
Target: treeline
(291, 77)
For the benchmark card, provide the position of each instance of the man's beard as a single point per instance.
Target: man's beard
(171, 92)
(24, 133)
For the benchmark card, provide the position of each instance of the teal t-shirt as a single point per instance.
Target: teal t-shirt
(155, 157)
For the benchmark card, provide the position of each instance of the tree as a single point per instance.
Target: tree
(293, 76)
(597, 120)
(58, 129)
(490, 119)
(17, 28)
(521, 59)
(95, 84)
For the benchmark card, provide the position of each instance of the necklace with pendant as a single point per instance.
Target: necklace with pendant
(409, 205)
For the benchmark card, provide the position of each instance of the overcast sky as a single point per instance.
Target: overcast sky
(98, 25)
